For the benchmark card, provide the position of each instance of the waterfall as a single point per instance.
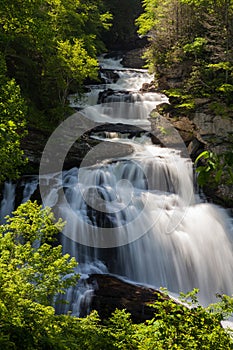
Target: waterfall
(137, 216)
(7, 204)
(145, 207)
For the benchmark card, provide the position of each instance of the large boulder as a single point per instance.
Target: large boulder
(113, 293)
(173, 76)
(85, 151)
(133, 59)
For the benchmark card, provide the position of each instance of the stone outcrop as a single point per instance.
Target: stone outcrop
(149, 87)
(113, 293)
(172, 77)
(133, 59)
(86, 151)
(179, 132)
(214, 129)
(202, 128)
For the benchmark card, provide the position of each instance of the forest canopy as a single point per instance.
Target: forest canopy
(197, 34)
(48, 45)
(47, 49)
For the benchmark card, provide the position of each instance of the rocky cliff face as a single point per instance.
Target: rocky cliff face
(133, 58)
(202, 128)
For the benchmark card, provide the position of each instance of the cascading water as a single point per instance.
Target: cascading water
(139, 214)
(163, 234)
(8, 201)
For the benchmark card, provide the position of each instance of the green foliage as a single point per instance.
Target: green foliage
(32, 272)
(47, 49)
(196, 47)
(215, 168)
(121, 330)
(50, 45)
(12, 125)
(182, 102)
(146, 21)
(220, 108)
(33, 267)
(197, 35)
(180, 327)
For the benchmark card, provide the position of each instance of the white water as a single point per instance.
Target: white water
(8, 201)
(143, 208)
(174, 241)
(182, 243)
(129, 80)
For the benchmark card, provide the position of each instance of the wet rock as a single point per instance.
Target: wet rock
(113, 293)
(149, 87)
(85, 151)
(126, 129)
(106, 151)
(110, 76)
(221, 195)
(110, 95)
(33, 145)
(195, 147)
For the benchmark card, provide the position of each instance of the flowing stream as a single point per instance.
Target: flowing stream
(136, 216)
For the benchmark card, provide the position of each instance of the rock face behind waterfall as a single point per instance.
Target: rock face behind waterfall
(34, 143)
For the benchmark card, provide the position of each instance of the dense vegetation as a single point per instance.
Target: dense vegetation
(50, 45)
(33, 270)
(191, 54)
(123, 33)
(196, 35)
(47, 48)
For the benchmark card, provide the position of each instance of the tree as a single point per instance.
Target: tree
(196, 34)
(177, 326)
(12, 125)
(122, 35)
(38, 39)
(32, 272)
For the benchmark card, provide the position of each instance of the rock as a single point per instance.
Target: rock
(110, 76)
(133, 59)
(221, 195)
(172, 77)
(195, 147)
(186, 128)
(33, 145)
(85, 151)
(179, 133)
(113, 293)
(201, 130)
(214, 129)
(148, 87)
(105, 151)
(110, 95)
(126, 129)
